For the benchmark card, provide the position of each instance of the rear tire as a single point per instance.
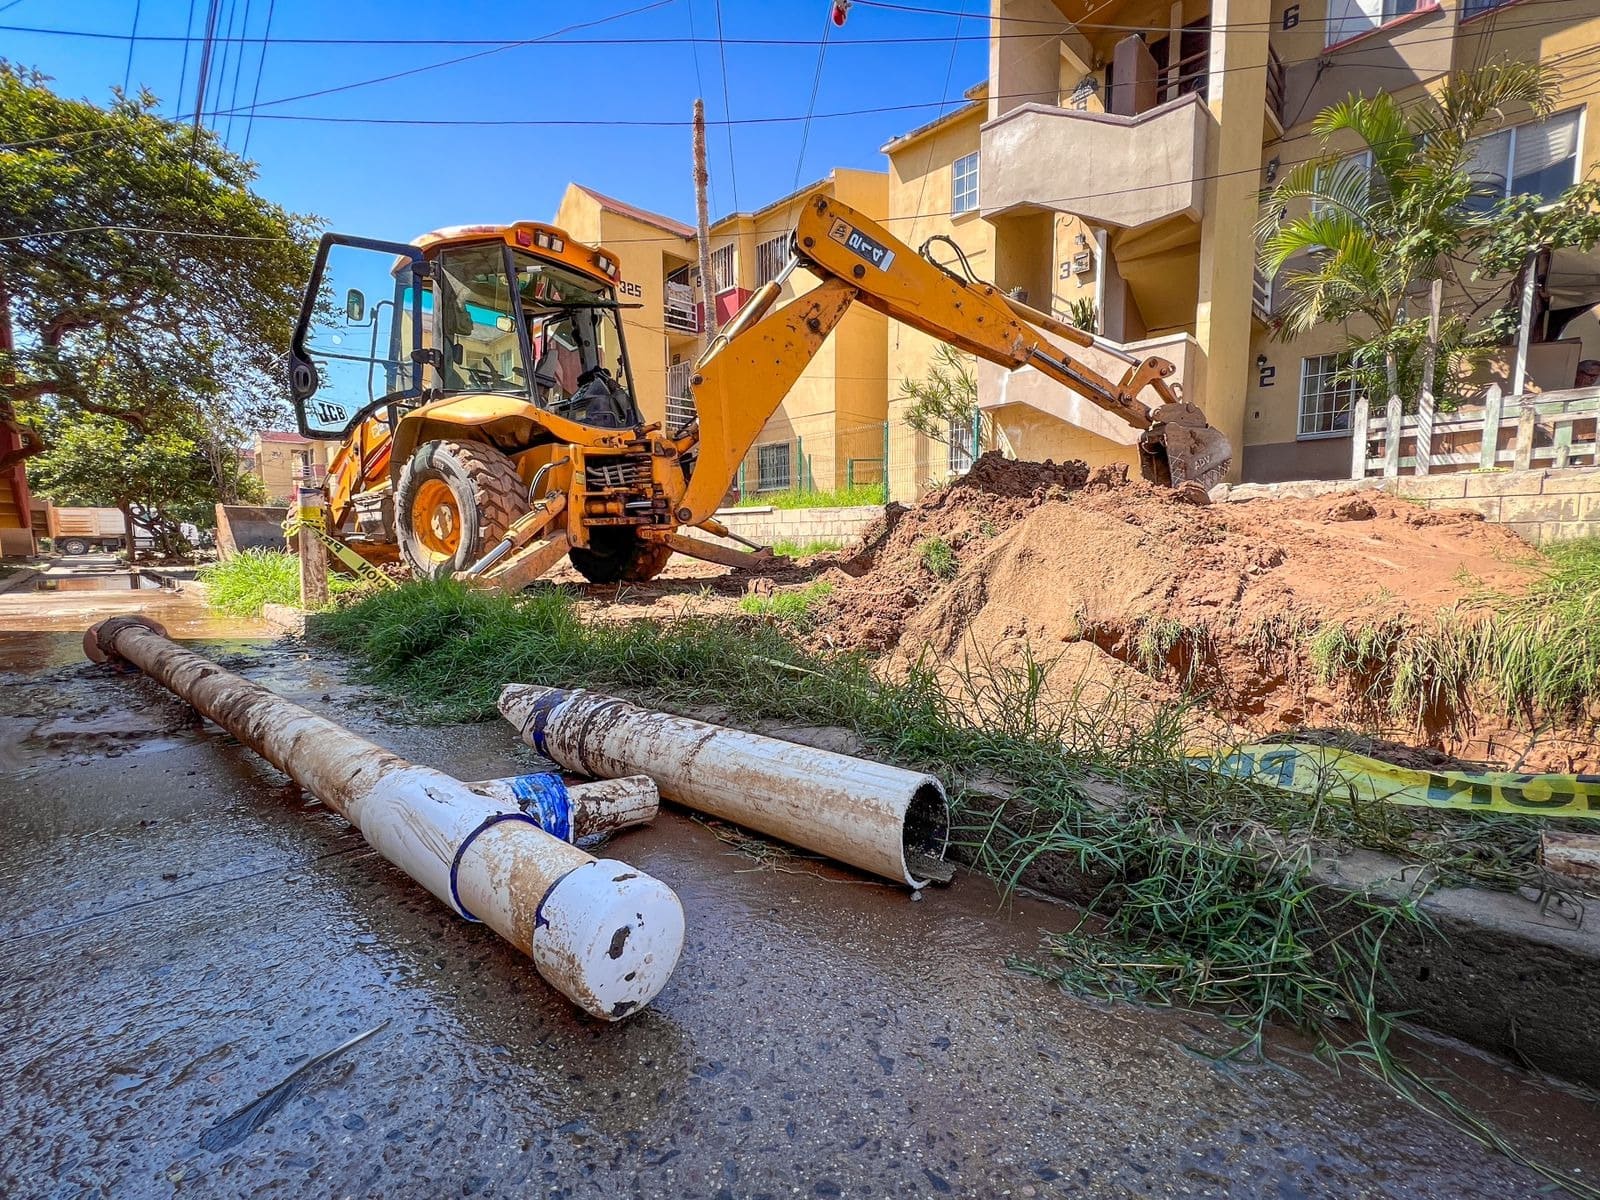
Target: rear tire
(74, 546)
(454, 501)
(616, 554)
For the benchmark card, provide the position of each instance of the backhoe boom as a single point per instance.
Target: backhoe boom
(745, 374)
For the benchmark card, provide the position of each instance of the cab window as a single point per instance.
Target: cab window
(477, 322)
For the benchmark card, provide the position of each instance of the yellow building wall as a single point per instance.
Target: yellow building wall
(920, 195)
(835, 411)
(646, 254)
(275, 465)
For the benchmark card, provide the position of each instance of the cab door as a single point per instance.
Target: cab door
(361, 341)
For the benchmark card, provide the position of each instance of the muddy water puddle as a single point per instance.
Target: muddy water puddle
(121, 582)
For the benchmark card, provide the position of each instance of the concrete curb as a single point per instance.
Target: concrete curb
(1494, 969)
(19, 578)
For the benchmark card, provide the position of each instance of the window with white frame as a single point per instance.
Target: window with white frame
(959, 440)
(1341, 175)
(1326, 396)
(1352, 18)
(772, 467)
(722, 268)
(964, 184)
(770, 257)
(1539, 158)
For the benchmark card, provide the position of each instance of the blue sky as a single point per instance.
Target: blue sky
(397, 181)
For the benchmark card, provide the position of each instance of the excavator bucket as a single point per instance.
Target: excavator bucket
(1181, 447)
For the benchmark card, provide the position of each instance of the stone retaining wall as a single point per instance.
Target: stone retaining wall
(769, 525)
(1541, 506)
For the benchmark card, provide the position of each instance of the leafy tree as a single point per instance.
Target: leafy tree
(158, 479)
(141, 279)
(1369, 242)
(947, 396)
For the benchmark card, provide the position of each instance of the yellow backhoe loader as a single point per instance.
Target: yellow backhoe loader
(480, 385)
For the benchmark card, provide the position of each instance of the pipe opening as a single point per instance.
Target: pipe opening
(925, 835)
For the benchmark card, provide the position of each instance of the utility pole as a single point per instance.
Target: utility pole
(702, 177)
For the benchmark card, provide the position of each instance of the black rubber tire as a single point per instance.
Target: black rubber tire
(488, 494)
(617, 554)
(74, 546)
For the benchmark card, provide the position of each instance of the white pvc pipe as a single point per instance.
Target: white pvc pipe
(879, 818)
(603, 933)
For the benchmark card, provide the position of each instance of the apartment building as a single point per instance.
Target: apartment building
(829, 431)
(656, 255)
(284, 462)
(1115, 158)
(16, 519)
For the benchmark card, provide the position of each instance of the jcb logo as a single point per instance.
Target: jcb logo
(840, 232)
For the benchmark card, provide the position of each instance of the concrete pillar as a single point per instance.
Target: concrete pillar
(1238, 96)
(1024, 67)
(1133, 78)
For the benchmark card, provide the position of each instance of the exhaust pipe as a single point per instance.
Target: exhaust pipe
(602, 933)
(884, 820)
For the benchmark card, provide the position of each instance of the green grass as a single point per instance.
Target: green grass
(790, 548)
(858, 495)
(793, 607)
(938, 557)
(244, 583)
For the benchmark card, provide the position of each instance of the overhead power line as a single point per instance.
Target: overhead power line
(727, 107)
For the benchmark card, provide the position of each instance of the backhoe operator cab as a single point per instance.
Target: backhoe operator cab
(456, 371)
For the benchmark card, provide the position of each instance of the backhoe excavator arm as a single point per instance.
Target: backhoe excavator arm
(745, 374)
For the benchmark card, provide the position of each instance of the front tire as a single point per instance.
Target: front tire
(454, 501)
(616, 554)
(74, 547)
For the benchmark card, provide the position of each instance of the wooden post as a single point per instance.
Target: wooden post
(1563, 443)
(313, 554)
(1393, 420)
(1359, 420)
(702, 178)
(1430, 354)
(1493, 411)
(1527, 426)
(1519, 372)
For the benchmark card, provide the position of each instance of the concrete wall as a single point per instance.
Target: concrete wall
(1540, 506)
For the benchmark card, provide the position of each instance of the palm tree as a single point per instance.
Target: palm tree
(1382, 224)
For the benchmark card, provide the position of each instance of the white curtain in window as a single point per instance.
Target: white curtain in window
(1545, 144)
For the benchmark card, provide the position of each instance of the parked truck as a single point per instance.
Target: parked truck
(80, 530)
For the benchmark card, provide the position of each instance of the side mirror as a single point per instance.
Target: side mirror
(355, 306)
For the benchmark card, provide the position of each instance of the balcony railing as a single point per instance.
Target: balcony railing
(1275, 86)
(681, 315)
(680, 399)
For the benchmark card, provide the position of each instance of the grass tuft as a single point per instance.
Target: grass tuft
(243, 584)
(857, 495)
(938, 557)
(794, 607)
(791, 548)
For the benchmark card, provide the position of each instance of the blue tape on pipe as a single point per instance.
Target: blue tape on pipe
(540, 716)
(544, 798)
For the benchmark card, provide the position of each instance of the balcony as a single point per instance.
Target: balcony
(681, 314)
(1120, 172)
(999, 388)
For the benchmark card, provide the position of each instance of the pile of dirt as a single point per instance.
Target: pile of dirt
(1134, 590)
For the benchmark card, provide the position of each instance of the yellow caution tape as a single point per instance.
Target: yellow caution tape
(1343, 775)
(311, 520)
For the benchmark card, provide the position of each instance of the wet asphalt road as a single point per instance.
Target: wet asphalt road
(182, 931)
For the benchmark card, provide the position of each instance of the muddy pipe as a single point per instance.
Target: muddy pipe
(604, 934)
(882, 819)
